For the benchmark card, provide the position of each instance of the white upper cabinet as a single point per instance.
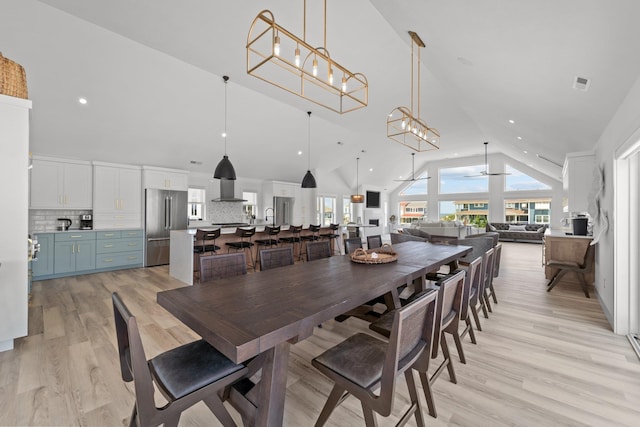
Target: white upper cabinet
(165, 179)
(577, 180)
(117, 201)
(60, 184)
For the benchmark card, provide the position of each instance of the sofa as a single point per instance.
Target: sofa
(444, 228)
(521, 232)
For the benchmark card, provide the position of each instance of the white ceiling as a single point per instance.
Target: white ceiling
(151, 72)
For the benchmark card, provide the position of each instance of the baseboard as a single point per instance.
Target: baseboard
(6, 345)
(635, 343)
(606, 312)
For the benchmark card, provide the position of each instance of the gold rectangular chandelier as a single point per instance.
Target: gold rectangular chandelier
(403, 125)
(281, 58)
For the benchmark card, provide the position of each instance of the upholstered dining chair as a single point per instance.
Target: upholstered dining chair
(374, 242)
(362, 363)
(276, 257)
(351, 244)
(213, 267)
(446, 312)
(472, 286)
(318, 250)
(184, 375)
(497, 254)
(489, 263)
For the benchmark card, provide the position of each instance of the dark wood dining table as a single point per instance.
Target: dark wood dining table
(262, 314)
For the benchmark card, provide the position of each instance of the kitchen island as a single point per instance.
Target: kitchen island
(181, 256)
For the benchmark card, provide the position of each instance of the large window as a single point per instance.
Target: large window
(456, 180)
(527, 210)
(518, 181)
(326, 210)
(411, 211)
(196, 205)
(469, 212)
(346, 210)
(417, 187)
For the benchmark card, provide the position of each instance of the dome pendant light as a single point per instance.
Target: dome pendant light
(357, 198)
(309, 181)
(225, 169)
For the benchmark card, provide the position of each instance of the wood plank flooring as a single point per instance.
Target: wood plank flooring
(543, 359)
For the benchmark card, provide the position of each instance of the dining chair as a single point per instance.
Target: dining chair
(318, 250)
(581, 269)
(205, 244)
(446, 312)
(184, 375)
(276, 257)
(362, 364)
(487, 277)
(294, 238)
(351, 244)
(374, 242)
(270, 241)
(312, 236)
(473, 277)
(497, 253)
(214, 267)
(333, 237)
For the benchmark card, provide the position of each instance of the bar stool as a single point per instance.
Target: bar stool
(294, 238)
(333, 236)
(315, 235)
(269, 242)
(208, 239)
(245, 235)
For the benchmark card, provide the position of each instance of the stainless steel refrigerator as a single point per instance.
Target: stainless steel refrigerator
(165, 210)
(283, 207)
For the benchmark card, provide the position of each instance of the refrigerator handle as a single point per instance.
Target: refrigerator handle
(166, 212)
(170, 212)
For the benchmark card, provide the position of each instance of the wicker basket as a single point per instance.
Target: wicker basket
(13, 79)
(383, 255)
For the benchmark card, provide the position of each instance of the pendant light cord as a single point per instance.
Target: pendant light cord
(357, 173)
(309, 142)
(226, 79)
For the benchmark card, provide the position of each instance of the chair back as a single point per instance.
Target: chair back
(489, 264)
(314, 228)
(272, 231)
(443, 240)
(133, 361)
(411, 334)
(374, 242)
(205, 235)
(351, 244)
(480, 246)
(470, 288)
(318, 249)
(245, 232)
(448, 306)
(213, 267)
(276, 257)
(498, 255)
(295, 230)
(334, 227)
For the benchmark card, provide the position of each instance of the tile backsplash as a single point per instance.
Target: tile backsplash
(45, 220)
(220, 212)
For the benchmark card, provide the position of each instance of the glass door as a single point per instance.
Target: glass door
(326, 211)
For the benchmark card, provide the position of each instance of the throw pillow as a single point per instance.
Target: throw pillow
(492, 228)
(517, 228)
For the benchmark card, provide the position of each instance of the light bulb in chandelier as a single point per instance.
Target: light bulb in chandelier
(297, 57)
(276, 46)
(344, 84)
(330, 76)
(315, 67)
(404, 124)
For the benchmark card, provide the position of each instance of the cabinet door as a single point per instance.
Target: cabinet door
(65, 257)
(77, 186)
(85, 255)
(46, 185)
(105, 189)
(44, 265)
(130, 191)
(179, 181)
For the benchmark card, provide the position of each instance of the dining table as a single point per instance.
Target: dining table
(255, 318)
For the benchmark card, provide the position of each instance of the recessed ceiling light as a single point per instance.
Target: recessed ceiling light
(400, 177)
(223, 134)
(370, 169)
(299, 153)
(455, 154)
(511, 121)
(530, 165)
(525, 152)
(519, 138)
(82, 100)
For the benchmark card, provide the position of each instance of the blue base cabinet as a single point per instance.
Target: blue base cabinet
(119, 248)
(74, 252)
(43, 266)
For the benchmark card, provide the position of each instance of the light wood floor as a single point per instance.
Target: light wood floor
(543, 359)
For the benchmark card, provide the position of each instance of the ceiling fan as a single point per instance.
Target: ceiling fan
(413, 178)
(485, 172)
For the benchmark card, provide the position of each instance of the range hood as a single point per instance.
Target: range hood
(227, 192)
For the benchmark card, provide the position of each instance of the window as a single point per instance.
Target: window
(455, 180)
(250, 207)
(326, 210)
(519, 181)
(417, 187)
(527, 210)
(470, 212)
(196, 204)
(346, 210)
(411, 211)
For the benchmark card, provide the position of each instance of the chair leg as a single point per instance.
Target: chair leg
(133, 422)
(469, 329)
(584, 285)
(493, 292)
(172, 421)
(483, 305)
(334, 400)
(474, 311)
(447, 356)
(428, 394)
(215, 405)
(369, 416)
(555, 279)
(415, 400)
(487, 301)
(458, 342)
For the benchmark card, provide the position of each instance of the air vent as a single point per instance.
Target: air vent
(581, 83)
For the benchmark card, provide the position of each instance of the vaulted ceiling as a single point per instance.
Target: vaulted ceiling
(151, 71)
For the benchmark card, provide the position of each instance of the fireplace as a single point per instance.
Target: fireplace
(375, 222)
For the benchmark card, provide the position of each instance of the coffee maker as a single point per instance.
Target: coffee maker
(86, 222)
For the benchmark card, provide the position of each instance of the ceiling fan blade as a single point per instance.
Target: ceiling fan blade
(412, 180)
(498, 173)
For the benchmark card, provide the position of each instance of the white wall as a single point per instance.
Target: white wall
(625, 122)
(14, 146)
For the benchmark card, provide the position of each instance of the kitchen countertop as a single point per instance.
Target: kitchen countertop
(559, 232)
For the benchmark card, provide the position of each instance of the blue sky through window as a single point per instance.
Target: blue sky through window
(454, 180)
(519, 181)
